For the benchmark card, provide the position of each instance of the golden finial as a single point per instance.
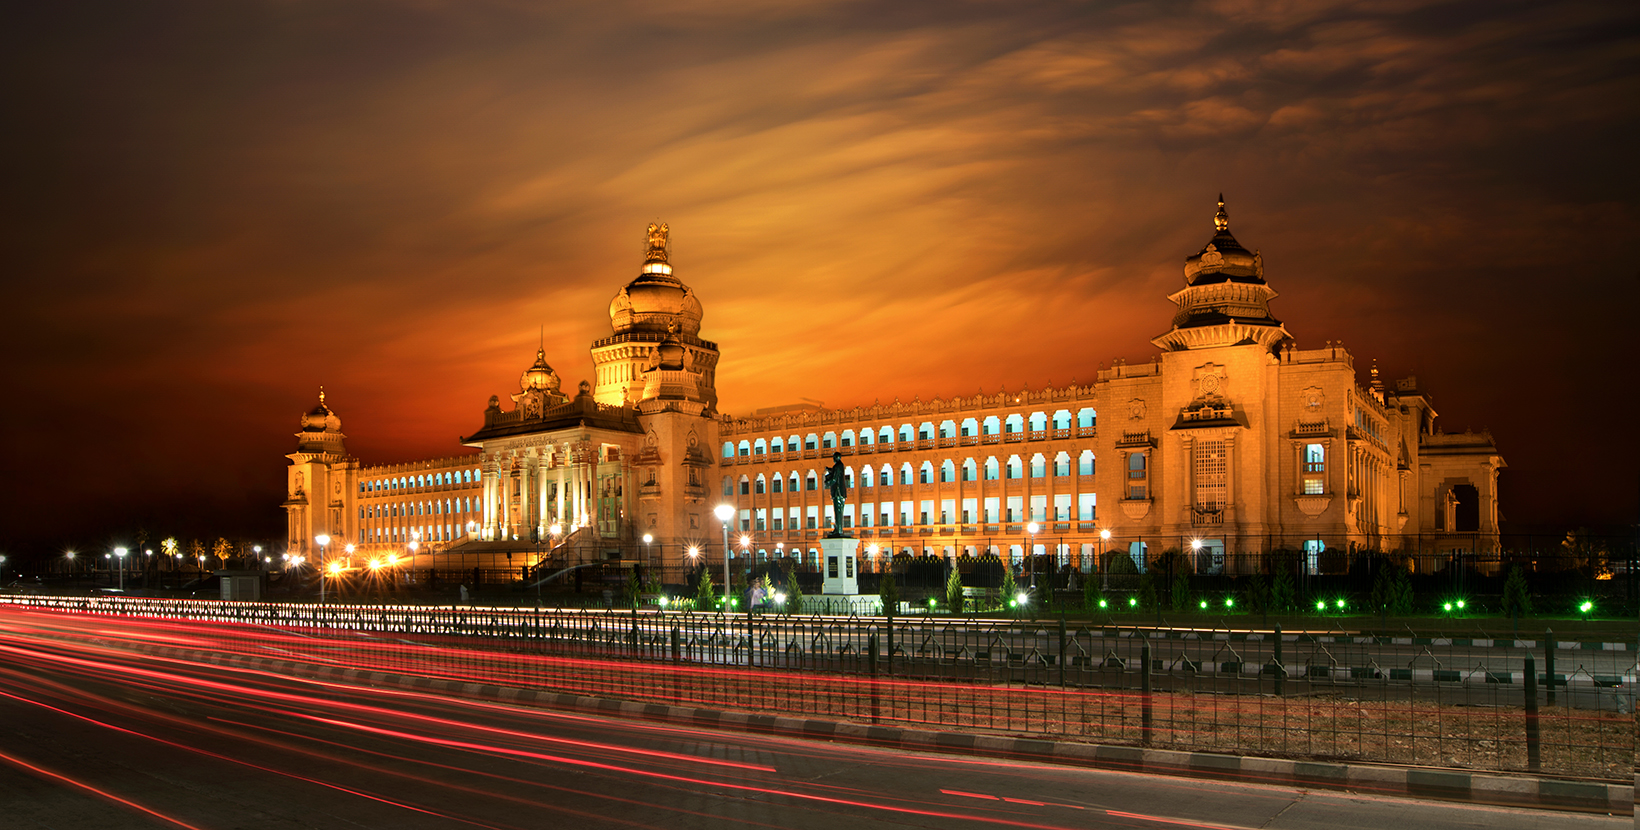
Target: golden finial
(658, 243)
(321, 394)
(1222, 219)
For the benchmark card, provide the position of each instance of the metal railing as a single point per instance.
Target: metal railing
(1486, 704)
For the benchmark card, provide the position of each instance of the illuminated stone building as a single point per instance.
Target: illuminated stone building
(1231, 439)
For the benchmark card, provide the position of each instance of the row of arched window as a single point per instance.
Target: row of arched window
(416, 508)
(467, 476)
(1037, 423)
(971, 470)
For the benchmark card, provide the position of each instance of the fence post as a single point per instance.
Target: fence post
(1144, 693)
(1549, 664)
(1281, 671)
(677, 645)
(871, 662)
(1061, 651)
(1533, 758)
(889, 613)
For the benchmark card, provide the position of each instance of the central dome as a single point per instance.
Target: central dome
(656, 299)
(1223, 259)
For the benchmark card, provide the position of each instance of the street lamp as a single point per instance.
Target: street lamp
(324, 547)
(1030, 552)
(120, 552)
(724, 513)
(647, 539)
(1104, 567)
(69, 555)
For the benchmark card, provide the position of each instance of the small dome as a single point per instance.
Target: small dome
(669, 354)
(320, 418)
(1223, 259)
(656, 299)
(540, 375)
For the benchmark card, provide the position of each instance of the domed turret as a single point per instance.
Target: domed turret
(1223, 259)
(320, 418)
(540, 375)
(656, 298)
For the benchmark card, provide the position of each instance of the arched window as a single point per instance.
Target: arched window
(1015, 423)
(760, 485)
(728, 449)
(793, 443)
(792, 488)
(1085, 463)
(887, 477)
(810, 482)
(848, 477)
(811, 441)
(1039, 421)
(1086, 417)
(760, 447)
(925, 431)
(868, 476)
(1062, 464)
(905, 473)
(1016, 468)
(886, 436)
(969, 427)
(948, 429)
(848, 438)
(948, 470)
(866, 437)
(906, 432)
(993, 425)
(728, 486)
(745, 448)
(1039, 466)
(1062, 419)
(926, 474)
(991, 468)
(970, 471)
(779, 483)
(777, 444)
(745, 486)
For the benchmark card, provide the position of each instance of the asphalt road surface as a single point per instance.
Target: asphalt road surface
(96, 736)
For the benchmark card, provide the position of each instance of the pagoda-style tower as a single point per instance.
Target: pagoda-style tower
(1225, 301)
(321, 483)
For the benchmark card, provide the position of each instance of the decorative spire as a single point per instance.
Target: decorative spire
(658, 243)
(321, 394)
(1221, 220)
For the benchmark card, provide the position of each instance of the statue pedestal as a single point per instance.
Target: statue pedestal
(839, 563)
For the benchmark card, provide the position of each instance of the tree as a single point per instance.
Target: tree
(222, 550)
(634, 589)
(1517, 594)
(1392, 590)
(1282, 591)
(704, 593)
(889, 592)
(1092, 594)
(953, 590)
(1009, 587)
(196, 549)
(794, 591)
(1258, 593)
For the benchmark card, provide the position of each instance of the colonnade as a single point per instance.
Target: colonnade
(524, 491)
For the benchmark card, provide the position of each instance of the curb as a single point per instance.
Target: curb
(1442, 784)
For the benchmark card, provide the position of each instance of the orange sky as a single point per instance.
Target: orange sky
(215, 207)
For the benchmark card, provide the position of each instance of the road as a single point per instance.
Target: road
(100, 736)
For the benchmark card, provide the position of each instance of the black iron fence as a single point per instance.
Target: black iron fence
(1503, 704)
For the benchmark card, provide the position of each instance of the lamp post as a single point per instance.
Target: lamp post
(258, 550)
(69, 556)
(1030, 552)
(324, 547)
(724, 513)
(120, 553)
(1104, 567)
(647, 539)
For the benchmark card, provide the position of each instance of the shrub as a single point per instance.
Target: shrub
(794, 591)
(889, 592)
(1258, 593)
(1517, 594)
(1091, 594)
(1282, 592)
(953, 591)
(704, 595)
(1009, 587)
